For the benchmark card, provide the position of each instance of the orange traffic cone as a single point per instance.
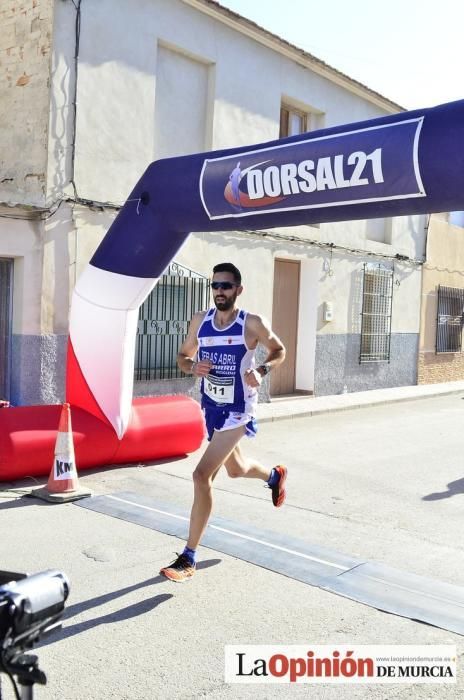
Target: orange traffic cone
(63, 484)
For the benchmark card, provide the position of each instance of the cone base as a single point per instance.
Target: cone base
(45, 495)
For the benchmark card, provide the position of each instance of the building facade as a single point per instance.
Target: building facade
(94, 92)
(440, 351)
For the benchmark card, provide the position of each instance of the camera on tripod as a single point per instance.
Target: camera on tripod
(30, 607)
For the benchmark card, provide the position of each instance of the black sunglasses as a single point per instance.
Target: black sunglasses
(222, 285)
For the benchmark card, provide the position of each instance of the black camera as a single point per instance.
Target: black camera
(30, 607)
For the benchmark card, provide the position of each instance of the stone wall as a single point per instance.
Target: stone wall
(25, 46)
(444, 367)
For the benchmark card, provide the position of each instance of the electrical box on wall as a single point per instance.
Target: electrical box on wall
(328, 311)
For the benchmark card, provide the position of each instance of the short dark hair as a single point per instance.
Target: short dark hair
(229, 267)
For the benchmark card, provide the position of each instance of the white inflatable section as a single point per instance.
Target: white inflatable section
(103, 329)
(111, 290)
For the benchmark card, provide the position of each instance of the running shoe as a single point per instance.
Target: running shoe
(180, 570)
(278, 491)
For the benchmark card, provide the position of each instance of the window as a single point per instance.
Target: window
(376, 313)
(6, 290)
(292, 122)
(163, 322)
(297, 120)
(449, 319)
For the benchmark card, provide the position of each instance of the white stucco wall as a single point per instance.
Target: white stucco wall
(158, 78)
(162, 77)
(118, 72)
(140, 67)
(23, 242)
(48, 257)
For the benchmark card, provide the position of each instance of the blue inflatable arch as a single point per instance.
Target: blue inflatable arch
(408, 163)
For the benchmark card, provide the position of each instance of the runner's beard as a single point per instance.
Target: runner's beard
(227, 304)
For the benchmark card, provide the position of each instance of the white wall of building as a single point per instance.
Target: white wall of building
(145, 66)
(158, 78)
(22, 241)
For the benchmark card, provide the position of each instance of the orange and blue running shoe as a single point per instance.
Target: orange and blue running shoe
(278, 490)
(180, 570)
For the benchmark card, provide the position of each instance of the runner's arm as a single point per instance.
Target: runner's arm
(189, 349)
(262, 331)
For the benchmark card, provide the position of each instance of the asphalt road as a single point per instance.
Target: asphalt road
(384, 483)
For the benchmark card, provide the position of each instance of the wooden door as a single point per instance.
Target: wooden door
(285, 322)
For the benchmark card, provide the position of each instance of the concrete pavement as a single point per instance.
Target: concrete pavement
(372, 483)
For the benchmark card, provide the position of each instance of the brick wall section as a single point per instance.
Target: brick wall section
(446, 367)
(25, 47)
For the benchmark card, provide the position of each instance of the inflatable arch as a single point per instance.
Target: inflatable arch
(408, 163)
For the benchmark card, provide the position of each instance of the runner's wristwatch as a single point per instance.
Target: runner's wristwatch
(264, 369)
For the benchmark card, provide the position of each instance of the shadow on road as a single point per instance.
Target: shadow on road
(19, 501)
(140, 608)
(454, 488)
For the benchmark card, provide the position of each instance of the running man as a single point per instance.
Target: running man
(224, 340)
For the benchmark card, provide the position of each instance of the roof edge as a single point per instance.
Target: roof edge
(304, 58)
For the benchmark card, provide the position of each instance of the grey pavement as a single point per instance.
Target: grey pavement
(292, 407)
(384, 482)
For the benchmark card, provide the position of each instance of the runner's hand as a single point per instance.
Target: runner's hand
(202, 368)
(252, 378)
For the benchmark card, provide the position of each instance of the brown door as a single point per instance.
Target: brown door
(285, 322)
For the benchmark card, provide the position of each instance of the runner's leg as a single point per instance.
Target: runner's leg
(215, 455)
(238, 465)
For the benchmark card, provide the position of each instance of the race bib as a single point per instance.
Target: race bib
(219, 389)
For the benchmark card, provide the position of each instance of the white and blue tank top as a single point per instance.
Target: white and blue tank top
(224, 387)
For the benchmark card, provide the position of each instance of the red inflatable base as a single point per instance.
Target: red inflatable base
(162, 427)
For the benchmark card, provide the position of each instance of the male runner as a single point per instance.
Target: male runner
(224, 340)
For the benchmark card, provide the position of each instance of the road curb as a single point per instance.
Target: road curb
(346, 403)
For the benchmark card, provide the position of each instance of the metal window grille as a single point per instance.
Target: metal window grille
(376, 314)
(6, 297)
(449, 319)
(163, 321)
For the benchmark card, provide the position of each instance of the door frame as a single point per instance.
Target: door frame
(296, 261)
(9, 330)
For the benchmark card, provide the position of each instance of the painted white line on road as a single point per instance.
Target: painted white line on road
(237, 534)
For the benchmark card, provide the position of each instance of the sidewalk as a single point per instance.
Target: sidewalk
(298, 406)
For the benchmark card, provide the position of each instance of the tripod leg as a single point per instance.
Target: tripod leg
(26, 691)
